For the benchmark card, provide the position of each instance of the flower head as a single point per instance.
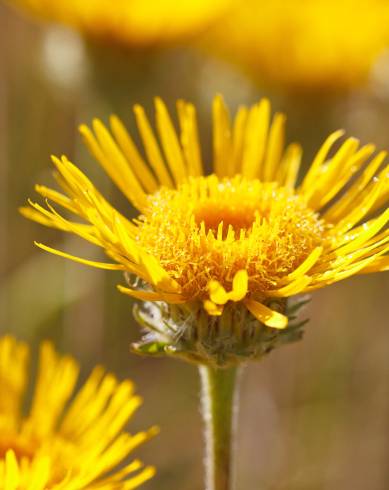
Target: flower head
(63, 444)
(234, 243)
(130, 23)
(300, 46)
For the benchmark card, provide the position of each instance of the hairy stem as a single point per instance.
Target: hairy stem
(219, 409)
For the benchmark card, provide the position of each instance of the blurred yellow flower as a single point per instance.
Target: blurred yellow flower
(247, 234)
(129, 22)
(61, 445)
(305, 45)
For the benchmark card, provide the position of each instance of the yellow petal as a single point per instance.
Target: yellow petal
(92, 263)
(221, 137)
(170, 143)
(318, 161)
(369, 230)
(288, 169)
(137, 480)
(12, 472)
(343, 205)
(240, 122)
(151, 147)
(131, 152)
(295, 287)
(308, 263)
(359, 212)
(265, 315)
(275, 147)
(325, 186)
(239, 286)
(256, 139)
(212, 309)
(218, 294)
(158, 277)
(378, 265)
(190, 138)
(106, 151)
(152, 295)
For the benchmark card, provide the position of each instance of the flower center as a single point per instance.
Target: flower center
(26, 451)
(21, 449)
(212, 213)
(209, 228)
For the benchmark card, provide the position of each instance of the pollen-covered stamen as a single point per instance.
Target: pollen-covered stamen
(210, 228)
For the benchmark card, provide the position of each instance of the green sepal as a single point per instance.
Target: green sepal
(188, 332)
(149, 348)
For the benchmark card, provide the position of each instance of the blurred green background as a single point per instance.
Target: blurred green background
(314, 415)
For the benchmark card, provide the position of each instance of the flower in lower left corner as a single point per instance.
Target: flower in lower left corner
(65, 442)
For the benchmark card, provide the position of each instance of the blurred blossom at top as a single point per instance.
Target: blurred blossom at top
(130, 23)
(305, 45)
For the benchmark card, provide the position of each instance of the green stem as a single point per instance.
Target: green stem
(219, 409)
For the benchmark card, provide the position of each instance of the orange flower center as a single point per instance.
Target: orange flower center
(210, 228)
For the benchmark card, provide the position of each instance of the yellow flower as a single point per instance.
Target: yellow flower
(246, 234)
(62, 445)
(303, 45)
(131, 23)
